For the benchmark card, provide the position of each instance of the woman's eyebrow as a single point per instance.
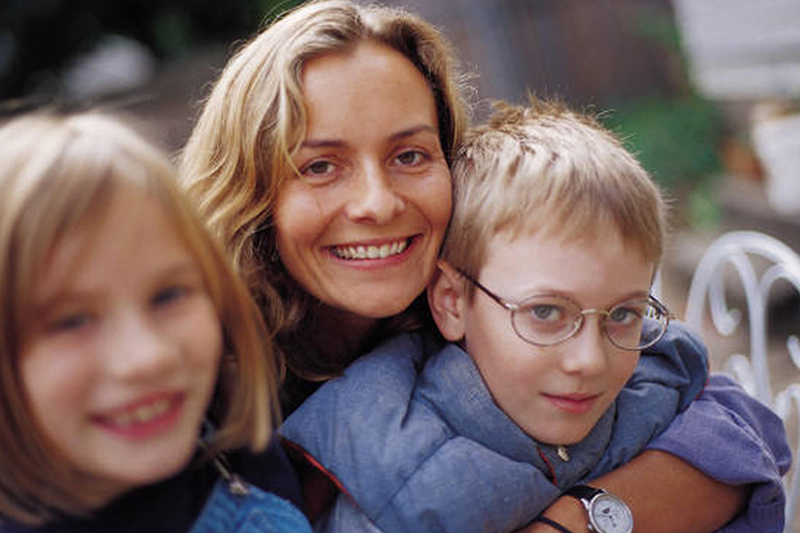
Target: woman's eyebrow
(335, 143)
(410, 132)
(321, 143)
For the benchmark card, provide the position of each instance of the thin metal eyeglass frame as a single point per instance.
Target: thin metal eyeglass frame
(514, 307)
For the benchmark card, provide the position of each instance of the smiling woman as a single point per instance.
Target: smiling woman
(361, 226)
(321, 160)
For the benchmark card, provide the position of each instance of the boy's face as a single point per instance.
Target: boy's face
(556, 393)
(122, 353)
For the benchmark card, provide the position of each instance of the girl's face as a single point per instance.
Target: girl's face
(122, 351)
(361, 229)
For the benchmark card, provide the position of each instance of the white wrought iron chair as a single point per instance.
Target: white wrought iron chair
(760, 261)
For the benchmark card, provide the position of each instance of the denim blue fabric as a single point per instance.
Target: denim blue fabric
(248, 511)
(412, 433)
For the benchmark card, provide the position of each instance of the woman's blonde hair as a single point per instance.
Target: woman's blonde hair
(255, 119)
(57, 171)
(546, 168)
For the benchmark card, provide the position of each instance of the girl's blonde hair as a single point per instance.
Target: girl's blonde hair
(546, 168)
(57, 171)
(255, 119)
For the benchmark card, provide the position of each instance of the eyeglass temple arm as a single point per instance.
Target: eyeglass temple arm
(670, 314)
(488, 293)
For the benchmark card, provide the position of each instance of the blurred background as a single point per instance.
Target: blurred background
(706, 92)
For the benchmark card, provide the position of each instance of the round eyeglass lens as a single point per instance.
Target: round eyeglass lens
(636, 324)
(546, 320)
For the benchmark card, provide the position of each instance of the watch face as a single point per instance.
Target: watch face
(609, 514)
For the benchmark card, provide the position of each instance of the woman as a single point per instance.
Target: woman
(321, 159)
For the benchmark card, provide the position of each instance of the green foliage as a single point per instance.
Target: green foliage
(677, 136)
(702, 208)
(675, 139)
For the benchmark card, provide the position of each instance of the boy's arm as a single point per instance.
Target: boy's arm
(748, 447)
(726, 450)
(662, 492)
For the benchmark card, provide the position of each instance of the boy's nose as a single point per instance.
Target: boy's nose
(373, 198)
(586, 352)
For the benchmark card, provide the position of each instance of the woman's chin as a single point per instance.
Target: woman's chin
(372, 309)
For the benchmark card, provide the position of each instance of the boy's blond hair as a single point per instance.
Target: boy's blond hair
(56, 172)
(255, 118)
(546, 168)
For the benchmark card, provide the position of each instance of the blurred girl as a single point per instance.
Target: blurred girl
(135, 387)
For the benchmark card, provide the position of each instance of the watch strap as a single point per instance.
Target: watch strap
(584, 492)
(551, 523)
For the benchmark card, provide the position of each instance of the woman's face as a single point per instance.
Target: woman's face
(360, 230)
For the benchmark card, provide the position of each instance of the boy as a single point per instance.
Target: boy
(543, 295)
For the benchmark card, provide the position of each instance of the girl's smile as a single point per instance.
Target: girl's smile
(144, 418)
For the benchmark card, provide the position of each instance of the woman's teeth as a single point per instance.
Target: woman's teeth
(370, 252)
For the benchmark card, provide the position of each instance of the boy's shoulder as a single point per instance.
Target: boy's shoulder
(678, 360)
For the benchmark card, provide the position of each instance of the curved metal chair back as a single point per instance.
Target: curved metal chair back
(738, 250)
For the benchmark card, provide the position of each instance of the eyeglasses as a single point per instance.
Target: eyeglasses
(545, 320)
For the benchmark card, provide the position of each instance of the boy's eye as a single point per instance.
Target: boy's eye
(633, 313)
(621, 315)
(546, 312)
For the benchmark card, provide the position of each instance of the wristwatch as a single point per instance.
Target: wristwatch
(607, 513)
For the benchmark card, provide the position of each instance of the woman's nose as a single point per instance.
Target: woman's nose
(373, 198)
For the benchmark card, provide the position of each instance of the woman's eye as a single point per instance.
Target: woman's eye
(169, 295)
(320, 170)
(410, 158)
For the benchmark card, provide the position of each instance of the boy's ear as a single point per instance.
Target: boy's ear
(447, 298)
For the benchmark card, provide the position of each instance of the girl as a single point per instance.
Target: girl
(135, 387)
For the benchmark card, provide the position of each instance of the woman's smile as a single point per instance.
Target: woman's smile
(371, 251)
(361, 226)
